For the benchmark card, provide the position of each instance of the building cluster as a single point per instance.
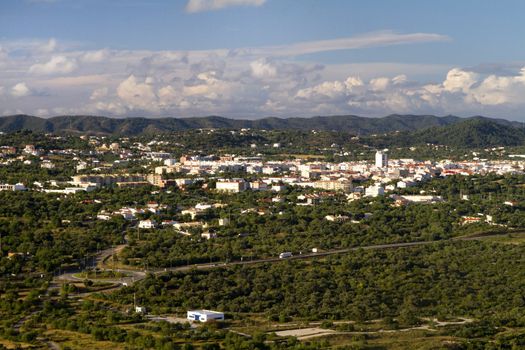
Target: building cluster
(357, 179)
(132, 213)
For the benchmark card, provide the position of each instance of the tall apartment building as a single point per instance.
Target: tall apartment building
(381, 159)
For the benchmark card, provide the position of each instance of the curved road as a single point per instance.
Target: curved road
(134, 275)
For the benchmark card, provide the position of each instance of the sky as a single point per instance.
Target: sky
(258, 58)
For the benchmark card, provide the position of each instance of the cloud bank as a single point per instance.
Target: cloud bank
(248, 82)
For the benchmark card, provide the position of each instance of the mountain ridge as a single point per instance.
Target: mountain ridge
(100, 125)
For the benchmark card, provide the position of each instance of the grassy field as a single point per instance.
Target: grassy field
(15, 345)
(81, 341)
(509, 239)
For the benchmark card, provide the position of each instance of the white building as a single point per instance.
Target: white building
(147, 224)
(278, 188)
(30, 149)
(374, 191)
(224, 222)
(258, 186)
(46, 164)
(205, 316)
(344, 185)
(233, 185)
(140, 309)
(381, 159)
(208, 235)
(16, 187)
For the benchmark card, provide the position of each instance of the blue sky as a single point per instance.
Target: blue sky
(254, 58)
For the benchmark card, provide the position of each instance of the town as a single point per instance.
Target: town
(114, 215)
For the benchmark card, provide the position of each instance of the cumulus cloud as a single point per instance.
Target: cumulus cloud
(379, 84)
(461, 91)
(248, 83)
(136, 94)
(399, 79)
(95, 56)
(499, 90)
(99, 93)
(331, 89)
(20, 90)
(263, 69)
(210, 5)
(459, 80)
(56, 65)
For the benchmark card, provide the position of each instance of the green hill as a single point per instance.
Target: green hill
(136, 126)
(476, 132)
(473, 133)
(392, 130)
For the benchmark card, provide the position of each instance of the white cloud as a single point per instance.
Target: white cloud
(20, 90)
(3, 53)
(56, 65)
(459, 80)
(461, 92)
(193, 6)
(375, 39)
(95, 56)
(399, 79)
(50, 46)
(249, 82)
(42, 112)
(379, 84)
(99, 93)
(499, 90)
(263, 69)
(331, 89)
(136, 94)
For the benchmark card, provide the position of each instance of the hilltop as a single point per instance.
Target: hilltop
(136, 126)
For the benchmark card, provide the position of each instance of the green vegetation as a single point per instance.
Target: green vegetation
(136, 126)
(463, 289)
(469, 134)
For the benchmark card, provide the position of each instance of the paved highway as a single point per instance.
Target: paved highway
(134, 275)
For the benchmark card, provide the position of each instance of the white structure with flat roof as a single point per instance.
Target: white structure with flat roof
(381, 159)
(205, 316)
(231, 185)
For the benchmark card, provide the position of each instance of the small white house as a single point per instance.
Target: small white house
(208, 235)
(374, 191)
(147, 224)
(205, 316)
(224, 222)
(278, 188)
(140, 309)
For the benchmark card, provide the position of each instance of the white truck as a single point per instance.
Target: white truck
(285, 255)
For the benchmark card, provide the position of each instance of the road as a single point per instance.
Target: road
(135, 275)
